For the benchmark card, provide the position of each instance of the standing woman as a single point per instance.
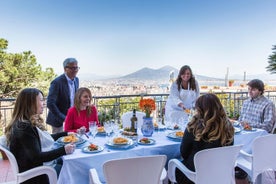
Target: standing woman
(23, 135)
(209, 128)
(82, 112)
(183, 93)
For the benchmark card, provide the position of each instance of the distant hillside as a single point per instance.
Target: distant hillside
(163, 74)
(150, 74)
(159, 74)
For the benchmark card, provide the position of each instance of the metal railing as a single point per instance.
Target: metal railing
(116, 105)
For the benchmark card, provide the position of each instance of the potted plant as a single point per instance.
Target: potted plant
(147, 105)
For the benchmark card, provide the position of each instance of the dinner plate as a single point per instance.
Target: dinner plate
(161, 127)
(111, 144)
(86, 149)
(174, 128)
(252, 130)
(236, 123)
(172, 136)
(237, 130)
(101, 133)
(152, 141)
(78, 142)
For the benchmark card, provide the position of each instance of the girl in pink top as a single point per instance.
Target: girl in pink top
(82, 112)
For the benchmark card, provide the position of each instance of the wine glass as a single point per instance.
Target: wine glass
(107, 128)
(115, 128)
(93, 128)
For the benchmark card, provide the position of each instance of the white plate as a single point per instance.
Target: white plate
(252, 130)
(237, 129)
(152, 141)
(120, 146)
(161, 127)
(80, 141)
(173, 136)
(86, 149)
(236, 123)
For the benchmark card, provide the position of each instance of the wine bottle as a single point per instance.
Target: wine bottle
(133, 120)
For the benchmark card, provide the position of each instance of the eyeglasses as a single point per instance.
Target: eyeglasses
(73, 68)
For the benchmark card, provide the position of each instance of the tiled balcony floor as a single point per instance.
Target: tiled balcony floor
(5, 170)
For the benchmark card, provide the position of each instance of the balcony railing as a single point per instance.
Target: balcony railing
(116, 105)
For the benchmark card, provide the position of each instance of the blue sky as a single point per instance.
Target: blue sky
(118, 37)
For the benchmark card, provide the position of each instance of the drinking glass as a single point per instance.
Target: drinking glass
(168, 123)
(93, 128)
(159, 123)
(115, 128)
(107, 128)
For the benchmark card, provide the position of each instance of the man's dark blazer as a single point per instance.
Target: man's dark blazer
(58, 100)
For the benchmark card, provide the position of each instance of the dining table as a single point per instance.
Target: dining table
(75, 169)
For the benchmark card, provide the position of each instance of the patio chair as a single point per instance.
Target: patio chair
(135, 170)
(127, 115)
(274, 129)
(262, 158)
(215, 165)
(23, 176)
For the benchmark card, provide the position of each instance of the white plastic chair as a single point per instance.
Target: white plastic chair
(262, 157)
(274, 128)
(23, 176)
(136, 170)
(214, 165)
(127, 115)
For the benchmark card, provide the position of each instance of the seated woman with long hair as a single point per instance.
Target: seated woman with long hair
(209, 128)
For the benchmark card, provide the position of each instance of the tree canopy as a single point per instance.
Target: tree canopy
(272, 61)
(21, 70)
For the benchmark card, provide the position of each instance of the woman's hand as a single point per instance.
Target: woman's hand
(81, 130)
(181, 105)
(69, 148)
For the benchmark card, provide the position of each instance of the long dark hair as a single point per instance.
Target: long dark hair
(192, 80)
(25, 110)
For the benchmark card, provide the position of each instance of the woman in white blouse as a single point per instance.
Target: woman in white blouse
(183, 93)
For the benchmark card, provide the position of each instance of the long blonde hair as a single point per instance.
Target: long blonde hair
(210, 122)
(25, 110)
(77, 100)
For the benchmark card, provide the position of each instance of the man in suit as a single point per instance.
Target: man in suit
(61, 94)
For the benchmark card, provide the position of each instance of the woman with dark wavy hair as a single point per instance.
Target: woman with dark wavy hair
(183, 93)
(209, 128)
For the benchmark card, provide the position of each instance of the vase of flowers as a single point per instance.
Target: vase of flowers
(147, 105)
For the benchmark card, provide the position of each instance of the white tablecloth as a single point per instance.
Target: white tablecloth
(76, 166)
(246, 138)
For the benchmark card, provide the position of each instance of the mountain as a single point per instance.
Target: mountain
(151, 74)
(163, 73)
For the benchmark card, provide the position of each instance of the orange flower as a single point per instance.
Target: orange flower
(147, 105)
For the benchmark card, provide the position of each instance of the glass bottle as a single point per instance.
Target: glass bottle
(133, 120)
